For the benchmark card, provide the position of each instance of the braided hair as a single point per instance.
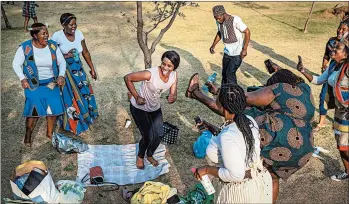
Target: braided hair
(233, 99)
(284, 76)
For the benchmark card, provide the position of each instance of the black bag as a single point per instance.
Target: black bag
(170, 133)
(34, 179)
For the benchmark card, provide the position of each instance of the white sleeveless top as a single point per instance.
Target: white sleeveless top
(151, 90)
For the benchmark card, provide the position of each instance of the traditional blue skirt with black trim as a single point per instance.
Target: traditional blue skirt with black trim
(43, 101)
(79, 100)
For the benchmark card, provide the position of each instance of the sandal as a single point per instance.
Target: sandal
(191, 88)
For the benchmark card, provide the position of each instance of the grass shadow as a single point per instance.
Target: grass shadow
(270, 52)
(331, 166)
(254, 72)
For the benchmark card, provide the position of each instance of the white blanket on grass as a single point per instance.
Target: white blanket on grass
(118, 163)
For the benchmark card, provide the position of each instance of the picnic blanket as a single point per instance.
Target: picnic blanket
(119, 163)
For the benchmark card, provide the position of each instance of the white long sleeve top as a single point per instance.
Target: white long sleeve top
(229, 149)
(43, 61)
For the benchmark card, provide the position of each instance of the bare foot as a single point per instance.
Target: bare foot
(319, 127)
(193, 85)
(140, 163)
(152, 161)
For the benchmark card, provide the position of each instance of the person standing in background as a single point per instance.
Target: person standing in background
(28, 12)
(230, 28)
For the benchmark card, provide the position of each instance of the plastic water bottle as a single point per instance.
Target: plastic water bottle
(206, 183)
(211, 79)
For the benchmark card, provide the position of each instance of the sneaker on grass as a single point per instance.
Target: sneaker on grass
(340, 177)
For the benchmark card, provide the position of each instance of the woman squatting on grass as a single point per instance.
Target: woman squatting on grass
(283, 110)
(239, 174)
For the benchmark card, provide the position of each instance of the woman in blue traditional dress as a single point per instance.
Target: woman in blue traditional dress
(78, 96)
(40, 66)
(283, 110)
(338, 78)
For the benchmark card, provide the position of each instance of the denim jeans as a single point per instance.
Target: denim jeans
(230, 66)
(323, 92)
(150, 124)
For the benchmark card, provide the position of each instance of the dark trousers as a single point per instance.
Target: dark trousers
(322, 108)
(150, 124)
(230, 66)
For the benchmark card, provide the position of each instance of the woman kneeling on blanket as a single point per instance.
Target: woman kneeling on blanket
(145, 105)
(239, 173)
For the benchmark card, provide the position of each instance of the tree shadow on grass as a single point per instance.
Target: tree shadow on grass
(196, 64)
(270, 52)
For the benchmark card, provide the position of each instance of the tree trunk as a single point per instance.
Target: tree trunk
(147, 59)
(306, 23)
(141, 36)
(7, 23)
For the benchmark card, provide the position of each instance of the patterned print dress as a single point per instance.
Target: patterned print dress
(79, 100)
(285, 128)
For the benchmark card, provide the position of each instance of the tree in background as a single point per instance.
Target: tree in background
(163, 12)
(306, 23)
(7, 23)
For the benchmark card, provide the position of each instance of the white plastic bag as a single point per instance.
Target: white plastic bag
(45, 192)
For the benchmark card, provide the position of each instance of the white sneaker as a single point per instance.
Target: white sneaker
(340, 177)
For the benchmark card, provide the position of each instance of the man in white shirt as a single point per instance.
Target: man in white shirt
(230, 28)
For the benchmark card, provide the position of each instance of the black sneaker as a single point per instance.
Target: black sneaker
(340, 177)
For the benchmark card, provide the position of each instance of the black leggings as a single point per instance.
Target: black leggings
(150, 124)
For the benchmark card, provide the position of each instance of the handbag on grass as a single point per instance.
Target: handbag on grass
(170, 133)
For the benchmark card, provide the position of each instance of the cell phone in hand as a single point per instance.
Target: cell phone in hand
(300, 59)
(269, 65)
(199, 121)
